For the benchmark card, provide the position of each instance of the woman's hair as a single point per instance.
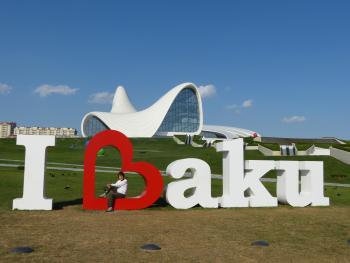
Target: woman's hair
(121, 174)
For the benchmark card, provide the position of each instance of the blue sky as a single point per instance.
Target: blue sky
(281, 68)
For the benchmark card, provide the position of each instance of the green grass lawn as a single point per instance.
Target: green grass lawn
(344, 147)
(335, 171)
(271, 146)
(250, 141)
(303, 234)
(160, 152)
(66, 187)
(303, 146)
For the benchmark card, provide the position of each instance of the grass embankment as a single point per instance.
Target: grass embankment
(271, 146)
(250, 141)
(334, 170)
(65, 187)
(303, 146)
(344, 147)
(159, 152)
(306, 146)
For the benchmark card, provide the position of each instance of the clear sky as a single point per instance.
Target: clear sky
(281, 68)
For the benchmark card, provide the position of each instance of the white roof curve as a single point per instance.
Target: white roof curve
(121, 102)
(230, 132)
(145, 123)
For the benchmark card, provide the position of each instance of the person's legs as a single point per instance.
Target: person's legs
(118, 196)
(105, 193)
(112, 196)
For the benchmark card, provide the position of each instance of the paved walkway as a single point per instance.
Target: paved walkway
(108, 169)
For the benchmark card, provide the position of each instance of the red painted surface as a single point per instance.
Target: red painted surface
(151, 175)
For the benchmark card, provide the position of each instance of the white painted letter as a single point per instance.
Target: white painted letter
(312, 182)
(288, 185)
(34, 171)
(233, 173)
(258, 195)
(237, 178)
(200, 181)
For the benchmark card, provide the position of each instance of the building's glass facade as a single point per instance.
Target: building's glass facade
(93, 125)
(183, 115)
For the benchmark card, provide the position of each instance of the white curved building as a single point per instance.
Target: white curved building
(223, 132)
(178, 112)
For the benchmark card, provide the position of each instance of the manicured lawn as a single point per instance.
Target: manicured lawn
(70, 234)
(344, 147)
(159, 152)
(271, 146)
(324, 145)
(303, 146)
(65, 187)
(250, 141)
(334, 170)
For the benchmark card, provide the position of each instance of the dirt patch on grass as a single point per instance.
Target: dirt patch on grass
(205, 235)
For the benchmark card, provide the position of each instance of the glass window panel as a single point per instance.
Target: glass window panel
(183, 115)
(93, 125)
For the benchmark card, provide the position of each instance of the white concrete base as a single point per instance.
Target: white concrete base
(317, 151)
(29, 204)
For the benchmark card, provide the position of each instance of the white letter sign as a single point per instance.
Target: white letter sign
(201, 181)
(34, 171)
(242, 186)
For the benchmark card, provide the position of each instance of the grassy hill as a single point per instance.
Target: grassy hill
(66, 186)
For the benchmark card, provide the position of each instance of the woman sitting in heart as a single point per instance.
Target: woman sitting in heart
(116, 191)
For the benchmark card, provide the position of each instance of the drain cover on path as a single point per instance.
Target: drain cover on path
(260, 243)
(21, 250)
(150, 247)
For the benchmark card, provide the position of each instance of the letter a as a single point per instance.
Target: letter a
(200, 181)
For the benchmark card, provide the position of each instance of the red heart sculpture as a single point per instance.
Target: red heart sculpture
(151, 175)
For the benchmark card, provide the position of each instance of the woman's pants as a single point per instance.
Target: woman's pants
(112, 195)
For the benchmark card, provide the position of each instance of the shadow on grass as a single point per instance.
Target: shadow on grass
(161, 202)
(61, 205)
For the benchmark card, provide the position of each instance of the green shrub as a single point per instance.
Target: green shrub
(250, 141)
(197, 139)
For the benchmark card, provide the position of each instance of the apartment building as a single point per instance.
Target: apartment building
(7, 129)
(58, 132)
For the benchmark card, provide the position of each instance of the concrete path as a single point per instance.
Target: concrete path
(115, 169)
